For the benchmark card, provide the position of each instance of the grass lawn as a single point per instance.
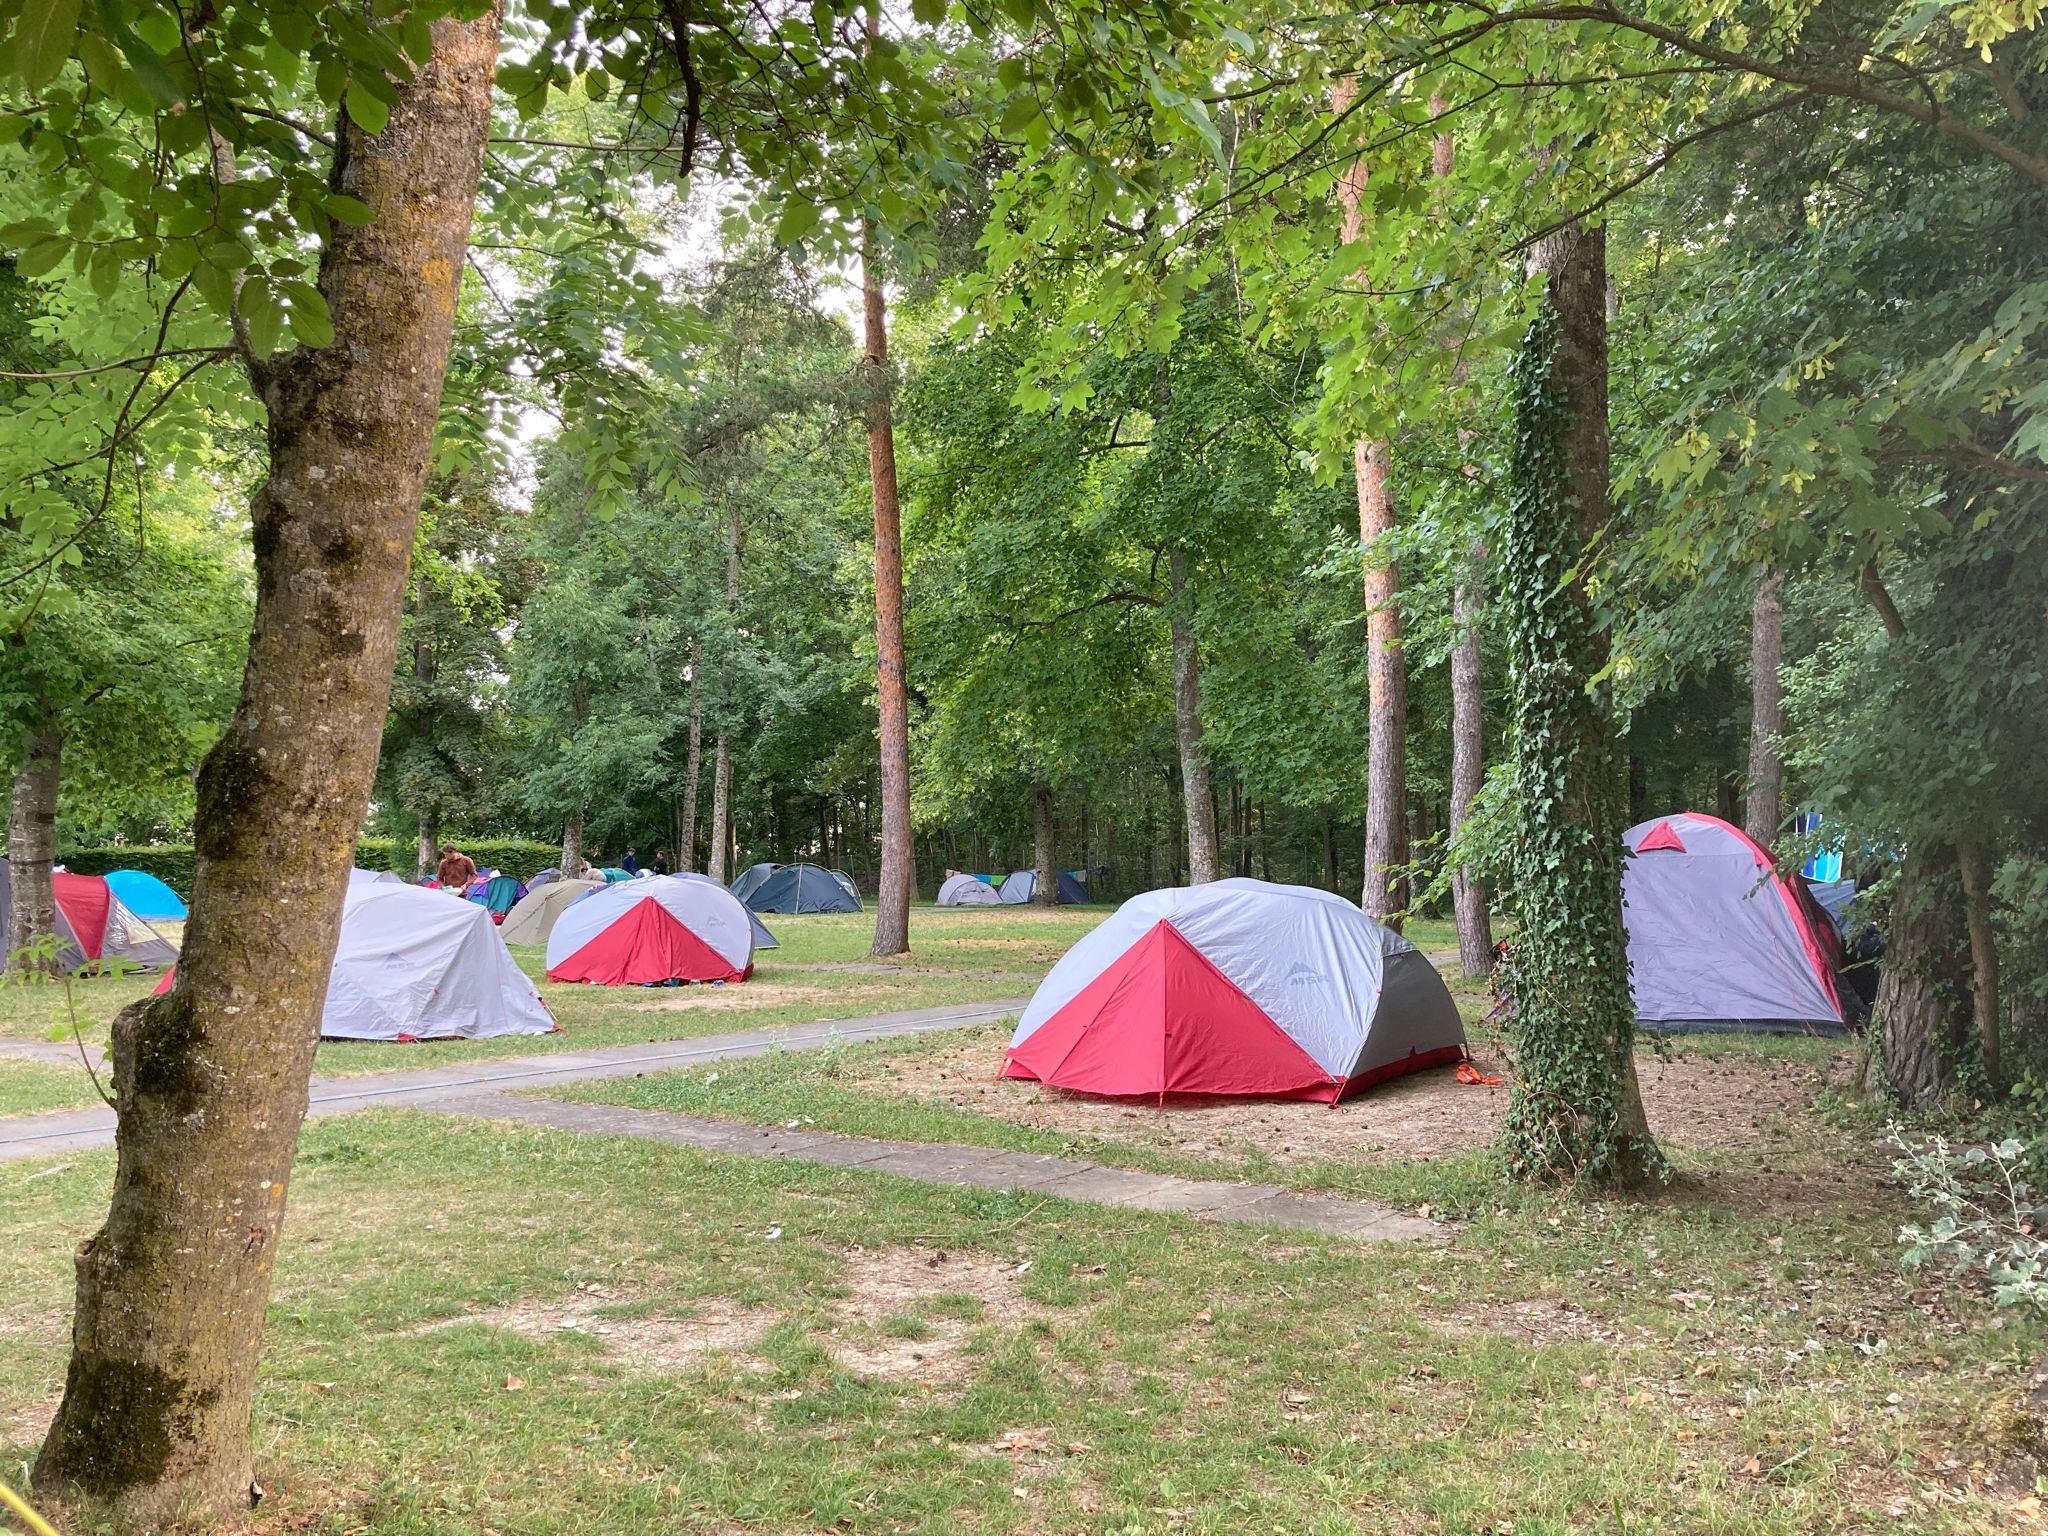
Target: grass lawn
(483, 1328)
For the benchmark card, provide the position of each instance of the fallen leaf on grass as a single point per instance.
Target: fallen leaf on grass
(514, 1384)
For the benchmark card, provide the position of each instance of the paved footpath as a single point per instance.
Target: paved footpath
(495, 1088)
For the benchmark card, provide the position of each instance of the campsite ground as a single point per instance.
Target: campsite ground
(489, 1327)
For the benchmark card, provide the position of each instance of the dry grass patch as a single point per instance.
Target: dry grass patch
(761, 994)
(640, 1344)
(910, 1313)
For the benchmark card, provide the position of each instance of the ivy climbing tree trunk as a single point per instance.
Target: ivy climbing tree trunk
(1575, 1110)
(1045, 890)
(892, 694)
(1199, 804)
(211, 1079)
(693, 764)
(1763, 812)
(1973, 868)
(32, 843)
(1468, 760)
(1383, 892)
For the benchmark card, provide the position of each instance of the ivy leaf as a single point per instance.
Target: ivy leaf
(42, 41)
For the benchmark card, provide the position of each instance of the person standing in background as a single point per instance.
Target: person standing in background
(630, 864)
(457, 869)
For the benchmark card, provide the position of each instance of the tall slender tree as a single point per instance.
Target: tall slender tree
(211, 1080)
(892, 695)
(1763, 812)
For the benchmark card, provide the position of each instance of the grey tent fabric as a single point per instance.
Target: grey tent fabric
(1022, 885)
(1717, 940)
(749, 879)
(803, 888)
(763, 939)
(123, 936)
(968, 891)
(1834, 897)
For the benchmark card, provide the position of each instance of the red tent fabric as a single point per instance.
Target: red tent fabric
(86, 900)
(1661, 837)
(646, 944)
(1163, 1019)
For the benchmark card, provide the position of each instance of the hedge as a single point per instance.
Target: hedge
(172, 863)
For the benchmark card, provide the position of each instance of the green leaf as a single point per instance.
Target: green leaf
(349, 210)
(310, 319)
(799, 218)
(366, 110)
(43, 256)
(102, 63)
(42, 40)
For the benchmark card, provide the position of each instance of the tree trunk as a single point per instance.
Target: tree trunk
(1918, 1021)
(720, 866)
(1468, 761)
(1575, 1110)
(1045, 891)
(211, 1080)
(427, 852)
(1763, 813)
(1383, 892)
(1973, 865)
(892, 697)
(1199, 804)
(32, 846)
(572, 845)
(693, 763)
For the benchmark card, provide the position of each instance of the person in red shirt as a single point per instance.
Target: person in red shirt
(457, 870)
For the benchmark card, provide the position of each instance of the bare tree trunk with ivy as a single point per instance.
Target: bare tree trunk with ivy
(1575, 1111)
(1204, 861)
(1763, 814)
(1468, 761)
(211, 1079)
(32, 846)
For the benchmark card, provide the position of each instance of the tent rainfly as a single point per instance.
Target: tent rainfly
(804, 888)
(1718, 940)
(145, 895)
(968, 891)
(1236, 987)
(1022, 885)
(763, 939)
(533, 918)
(648, 932)
(92, 924)
(749, 879)
(413, 965)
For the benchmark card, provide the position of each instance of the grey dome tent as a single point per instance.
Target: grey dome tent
(968, 891)
(1718, 940)
(749, 879)
(1023, 885)
(763, 939)
(803, 888)
(92, 925)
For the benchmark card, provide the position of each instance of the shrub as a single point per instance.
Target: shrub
(1988, 1219)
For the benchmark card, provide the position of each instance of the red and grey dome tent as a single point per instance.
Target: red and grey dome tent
(1718, 939)
(92, 924)
(1236, 987)
(645, 932)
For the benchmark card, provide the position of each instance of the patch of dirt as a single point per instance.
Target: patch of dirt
(652, 1344)
(1696, 1102)
(757, 994)
(26, 1423)
(905, 1283)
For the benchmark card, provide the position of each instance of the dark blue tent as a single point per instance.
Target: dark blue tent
(749, 879)
(803, 888)
(1023, 884)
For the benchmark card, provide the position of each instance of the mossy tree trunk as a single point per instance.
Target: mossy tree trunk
(211, 1080)
(32, 844)
(1920, 1018)
(1468, 760)
(1575, 1111)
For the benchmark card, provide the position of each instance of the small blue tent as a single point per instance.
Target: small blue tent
(804, 888)
(145, 895)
